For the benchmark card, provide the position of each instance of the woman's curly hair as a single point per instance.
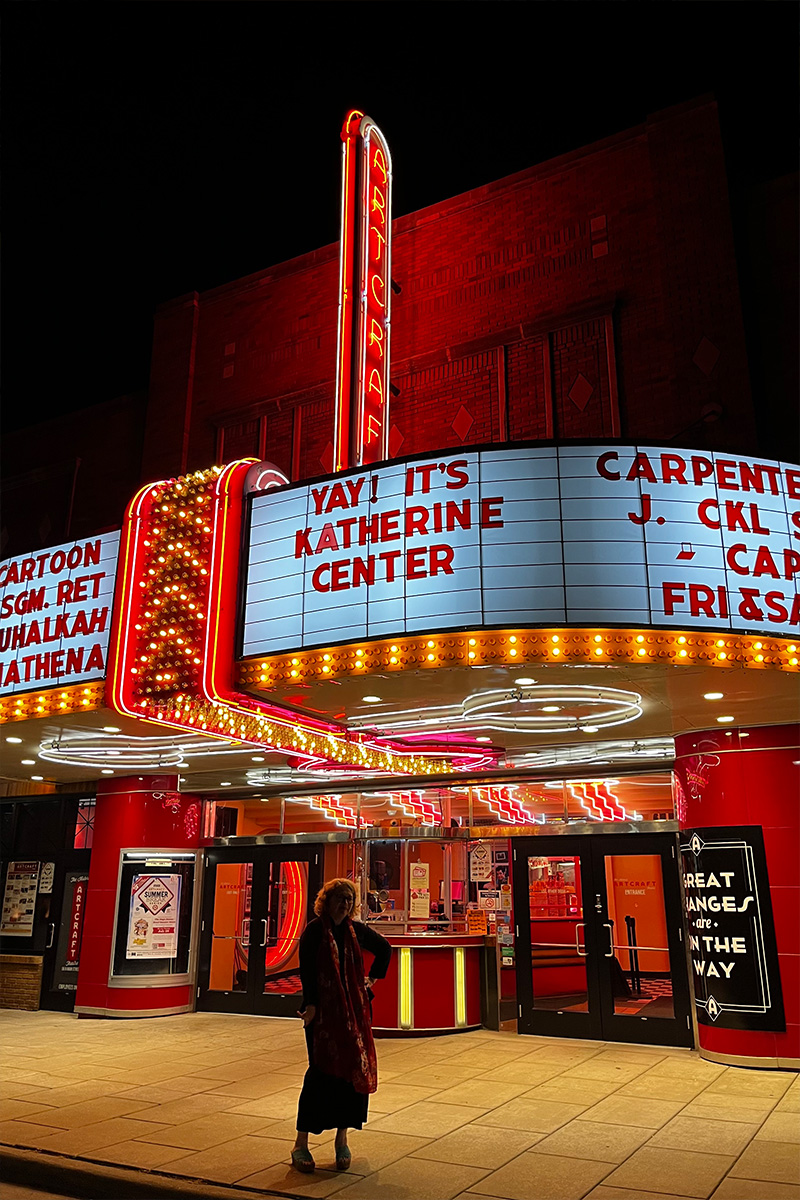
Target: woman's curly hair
(337, 886)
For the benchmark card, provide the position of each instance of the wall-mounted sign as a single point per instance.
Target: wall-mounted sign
(361, 423)
(19, 899)
(55, 614)
(153, 919)
(68, 950)
(419, 875)
(731, 934)
(538, 535)
(47, 877)
(480, 863)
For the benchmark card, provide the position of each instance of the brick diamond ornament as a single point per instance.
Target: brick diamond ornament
(396, 440)
(705, 356)
(462, 424)
(581, 392)
(326, 458)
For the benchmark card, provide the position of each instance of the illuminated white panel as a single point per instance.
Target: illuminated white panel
(55, 614)
(609, 534)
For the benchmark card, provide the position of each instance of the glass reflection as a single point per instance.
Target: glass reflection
(637, 933)
(556, 929)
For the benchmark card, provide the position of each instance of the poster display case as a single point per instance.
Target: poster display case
(154, 927)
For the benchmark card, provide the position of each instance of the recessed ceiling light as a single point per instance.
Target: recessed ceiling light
(111, 729)
(29, 762)
(725, 720)
(257, 758)
(713, 695)
(483, 739)
(371, 699)
(37, 777)
(181, 779)
(225, 783)
(551, 708)
(524, 682)
(16, 741)
(263, 799)
(106, 771)
(590, 729)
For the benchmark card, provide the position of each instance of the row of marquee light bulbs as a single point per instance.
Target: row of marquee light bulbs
(477, 649)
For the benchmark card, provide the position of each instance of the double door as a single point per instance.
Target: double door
(600, 948)
(256, 904)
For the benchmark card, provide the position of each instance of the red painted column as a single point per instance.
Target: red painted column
(752, 777)
(141, 812)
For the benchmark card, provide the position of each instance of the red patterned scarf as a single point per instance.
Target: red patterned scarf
(343, 1043)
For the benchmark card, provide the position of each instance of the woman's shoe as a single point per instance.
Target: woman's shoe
(343, 1158)
(302, 1160)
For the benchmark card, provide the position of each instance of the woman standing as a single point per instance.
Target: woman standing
(337, 1016)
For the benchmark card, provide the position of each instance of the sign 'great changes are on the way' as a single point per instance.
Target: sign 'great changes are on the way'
(619, 535)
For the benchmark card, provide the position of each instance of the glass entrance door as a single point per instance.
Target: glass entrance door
(600, 951)
(256, 904)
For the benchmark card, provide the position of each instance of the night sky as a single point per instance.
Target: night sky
(154, 149)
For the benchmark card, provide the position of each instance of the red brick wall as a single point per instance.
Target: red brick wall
(592, 296)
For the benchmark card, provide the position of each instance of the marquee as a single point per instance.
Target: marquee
(529, 535)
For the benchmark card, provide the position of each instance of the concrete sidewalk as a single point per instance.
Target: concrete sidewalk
(204, 1105)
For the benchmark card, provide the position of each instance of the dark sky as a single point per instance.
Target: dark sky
(153, 149)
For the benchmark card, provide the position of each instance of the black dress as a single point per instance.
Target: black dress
(327, 1102)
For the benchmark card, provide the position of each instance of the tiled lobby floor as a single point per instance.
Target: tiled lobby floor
(481, 1114)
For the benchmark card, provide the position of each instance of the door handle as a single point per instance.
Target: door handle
(244, 940)
(610, 928)
(52, 935)
(580, 925)
(264, 923)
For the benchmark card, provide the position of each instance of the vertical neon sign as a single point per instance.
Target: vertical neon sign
(361, 429)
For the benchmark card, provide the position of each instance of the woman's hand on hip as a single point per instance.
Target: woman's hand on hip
(308, 1014)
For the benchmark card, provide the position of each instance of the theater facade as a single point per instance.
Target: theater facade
(453, 566)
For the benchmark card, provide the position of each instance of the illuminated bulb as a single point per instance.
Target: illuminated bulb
(556, 650)
(792, 662)
(641, 652)
(758, 645)
(512, 640)
(597, 637)
(598, 651)
(723, 655)
(556, 638)
(725, 720)
(791, 649)
(430, 645)
(551, 708)
(393, 660)
(472, 641)
(471, 654)
(759, 658)
(393, 649)
(681, 641)
(359, 653)
(512, 652)
(431, 657)
(640, 638)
